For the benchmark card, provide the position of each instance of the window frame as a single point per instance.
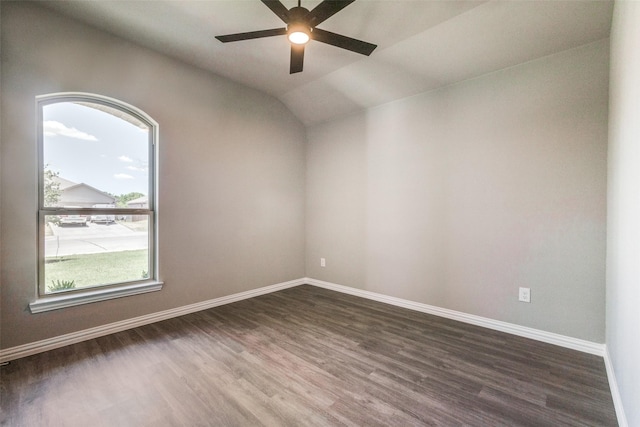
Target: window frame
(52, 301)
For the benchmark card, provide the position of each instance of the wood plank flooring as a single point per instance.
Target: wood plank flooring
(307, 357)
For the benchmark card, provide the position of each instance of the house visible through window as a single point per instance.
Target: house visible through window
(96, 209)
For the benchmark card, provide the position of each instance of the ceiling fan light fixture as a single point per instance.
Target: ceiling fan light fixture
(302, 27)
(298, 33)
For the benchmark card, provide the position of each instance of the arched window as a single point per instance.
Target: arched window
(96, 216)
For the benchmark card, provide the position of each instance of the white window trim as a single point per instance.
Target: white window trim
(47, 302)
(58, 301)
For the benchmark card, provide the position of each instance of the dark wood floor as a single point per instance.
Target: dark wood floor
(307, 357)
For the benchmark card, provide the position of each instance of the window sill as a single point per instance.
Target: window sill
(63, 301)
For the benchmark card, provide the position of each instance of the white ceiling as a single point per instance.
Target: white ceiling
(422, 44)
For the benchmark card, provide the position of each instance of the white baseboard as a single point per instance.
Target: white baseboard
(25, 350)
(615, 392)
(87, 334)
(523, 331)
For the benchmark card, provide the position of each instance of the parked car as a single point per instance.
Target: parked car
(73, 219)
(107, 219)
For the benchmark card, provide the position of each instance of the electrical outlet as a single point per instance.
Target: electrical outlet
(323, 262)
(524, 295)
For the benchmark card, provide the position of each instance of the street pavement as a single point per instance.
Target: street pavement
(94, 238)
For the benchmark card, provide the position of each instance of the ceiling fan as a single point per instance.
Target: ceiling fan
(301, 27)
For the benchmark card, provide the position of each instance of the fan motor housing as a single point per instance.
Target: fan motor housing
(298, 14)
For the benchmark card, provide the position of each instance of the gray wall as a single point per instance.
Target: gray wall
(459, 196)
(623, 232)
(453, 198)
(231, 190)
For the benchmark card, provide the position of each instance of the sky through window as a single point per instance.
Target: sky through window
(89, 145)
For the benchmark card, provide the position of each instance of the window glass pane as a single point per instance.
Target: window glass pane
(84, 251)
(94, 156)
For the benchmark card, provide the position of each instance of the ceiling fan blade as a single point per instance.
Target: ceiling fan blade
(297, 58)
(252, 35)
(278, 8)
(344, 42)
(326, 10)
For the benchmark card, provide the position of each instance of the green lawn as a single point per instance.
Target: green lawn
(97, 269)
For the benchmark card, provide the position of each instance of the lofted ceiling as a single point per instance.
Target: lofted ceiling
(422, 44)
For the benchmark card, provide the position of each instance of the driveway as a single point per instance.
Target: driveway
(94, 238)
(92, 229)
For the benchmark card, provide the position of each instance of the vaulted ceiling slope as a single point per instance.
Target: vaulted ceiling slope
(422, 44)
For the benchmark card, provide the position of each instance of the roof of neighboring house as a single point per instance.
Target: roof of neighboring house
(66, 185)
(139, 201)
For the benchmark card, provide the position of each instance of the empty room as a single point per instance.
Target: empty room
(323, 213)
